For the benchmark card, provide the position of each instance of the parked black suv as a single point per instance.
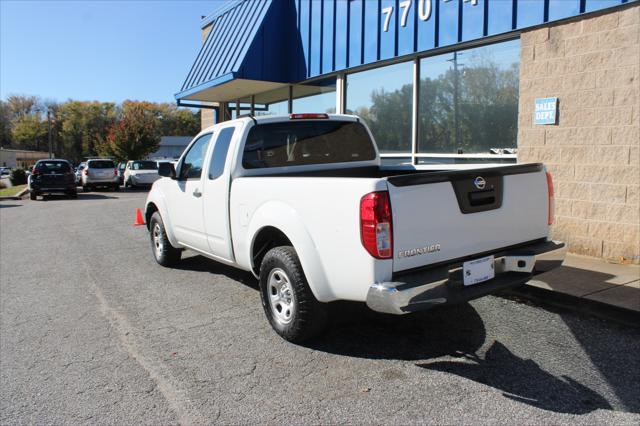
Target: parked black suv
(50, 176)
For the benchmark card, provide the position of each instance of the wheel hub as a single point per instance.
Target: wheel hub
(158, 245)
(281, 297)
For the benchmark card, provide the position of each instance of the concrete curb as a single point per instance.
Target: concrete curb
(18, 196)
(581, 305)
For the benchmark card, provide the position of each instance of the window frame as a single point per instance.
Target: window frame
(226, 152)
(179, 176)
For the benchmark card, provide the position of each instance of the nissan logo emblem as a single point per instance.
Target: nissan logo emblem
(479, 182)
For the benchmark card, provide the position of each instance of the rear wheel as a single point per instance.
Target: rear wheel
(164, 253)
(72, 194)
(86, 188)
(116, 187)
(291, 308)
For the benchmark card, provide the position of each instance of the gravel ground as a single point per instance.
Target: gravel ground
(94, 331)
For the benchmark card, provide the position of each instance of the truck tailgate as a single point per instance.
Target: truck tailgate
(442, 216)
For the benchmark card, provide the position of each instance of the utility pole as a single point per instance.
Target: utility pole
(49, 125)
(455, 100)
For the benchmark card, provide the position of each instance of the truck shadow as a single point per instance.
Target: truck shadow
(456, 332)
(356, 331)
(523, 380)
(200, 263)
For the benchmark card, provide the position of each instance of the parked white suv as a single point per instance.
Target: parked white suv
(100, 173)
(303, 203)
(140, 173)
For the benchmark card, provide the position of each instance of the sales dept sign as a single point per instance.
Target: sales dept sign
(546, 111)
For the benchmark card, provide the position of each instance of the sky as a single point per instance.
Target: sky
(99, 50)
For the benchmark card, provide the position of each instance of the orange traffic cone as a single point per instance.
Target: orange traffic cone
(139, 220)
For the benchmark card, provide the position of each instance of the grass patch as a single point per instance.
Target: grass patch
(10, 192)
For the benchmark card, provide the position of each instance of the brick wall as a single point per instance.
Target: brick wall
(206, 115)
(592, 66)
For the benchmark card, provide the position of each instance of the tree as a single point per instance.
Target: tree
(5, 124)
(177, 121)
(135, 135)
(82, 126)
(29, 132)
(20, 105)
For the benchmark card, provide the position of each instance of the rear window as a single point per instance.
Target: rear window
(144, 165)
(101, 164)
(53, 166)
(306, 142)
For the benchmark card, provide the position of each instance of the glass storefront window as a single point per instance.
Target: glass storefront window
(274, 102)
(382, 98)
(316, 96)
(469, 100)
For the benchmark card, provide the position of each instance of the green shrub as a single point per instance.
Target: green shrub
(18, 177)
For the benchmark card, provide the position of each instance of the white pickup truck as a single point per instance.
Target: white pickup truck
(303, 202)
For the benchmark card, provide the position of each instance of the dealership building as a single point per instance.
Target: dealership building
(453, 82)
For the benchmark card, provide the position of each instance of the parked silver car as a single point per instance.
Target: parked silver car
(100, 172)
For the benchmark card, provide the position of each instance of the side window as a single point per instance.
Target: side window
(191, 167)
(220, 150)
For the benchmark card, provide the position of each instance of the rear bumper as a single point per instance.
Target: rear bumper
(38, 189)
(143, 181)
(427, 288)
(100, 181)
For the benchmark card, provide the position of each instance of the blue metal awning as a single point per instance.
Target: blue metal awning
(238, 57)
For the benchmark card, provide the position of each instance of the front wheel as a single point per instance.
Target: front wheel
(33, 196)
(291, 308)
(164, 253)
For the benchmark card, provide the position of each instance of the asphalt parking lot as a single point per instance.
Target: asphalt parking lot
(93, 330)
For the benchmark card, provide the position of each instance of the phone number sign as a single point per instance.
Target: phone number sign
(546, 111)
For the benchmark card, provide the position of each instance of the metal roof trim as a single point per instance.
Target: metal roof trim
(225, 51)
(206, 85)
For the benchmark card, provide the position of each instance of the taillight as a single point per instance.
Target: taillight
(376, 231)
(308, 116)
(115, 172)
(34, 171)
(552, 203)
(86, 172)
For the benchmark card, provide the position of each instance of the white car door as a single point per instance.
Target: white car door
(216, 199)
(185, 196)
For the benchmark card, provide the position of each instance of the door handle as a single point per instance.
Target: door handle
(197, 193)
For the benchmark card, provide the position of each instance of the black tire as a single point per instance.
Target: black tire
(86, 188)
(308, 317)
(73, 194)
(164, 253)
(33, 196)
(116, 187)
(127, 184)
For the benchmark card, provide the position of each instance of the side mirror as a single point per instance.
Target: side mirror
(167, 170)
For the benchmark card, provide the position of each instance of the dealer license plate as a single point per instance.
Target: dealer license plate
(478, 270)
